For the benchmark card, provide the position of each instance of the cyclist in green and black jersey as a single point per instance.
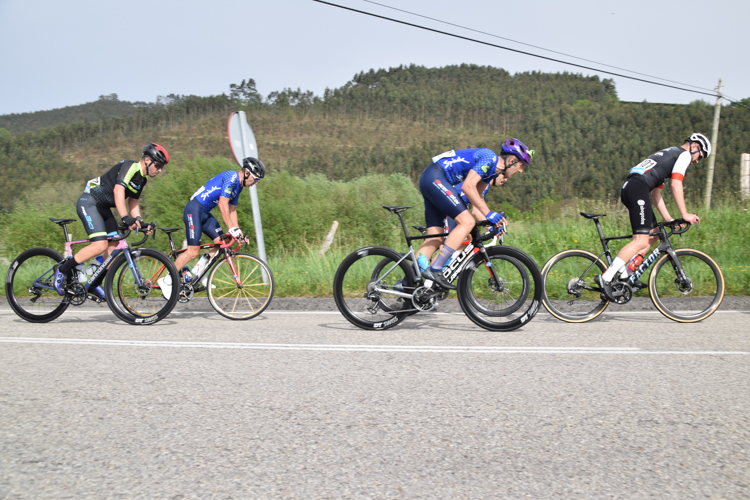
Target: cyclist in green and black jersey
(120, 188)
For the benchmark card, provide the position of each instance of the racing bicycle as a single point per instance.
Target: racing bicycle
(239, 285)
(686, 285)
(29, 290)
(499, 287)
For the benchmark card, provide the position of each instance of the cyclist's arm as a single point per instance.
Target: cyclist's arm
(658, 202)
(224, 208)
(124, 207)
(470, 188)
(679, 198)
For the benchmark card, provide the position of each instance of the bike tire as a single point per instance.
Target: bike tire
(144, 305)
(474, 281)
(510, 271)
(240, 302)
(562, 301)
(40, 305)
(687, 301)
(354, 288)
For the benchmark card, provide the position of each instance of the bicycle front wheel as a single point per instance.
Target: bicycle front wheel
(28, 286)
(570, 293)
(691, 297)
(363, 286)
(133, 293)
(503, 294)
(247, 296)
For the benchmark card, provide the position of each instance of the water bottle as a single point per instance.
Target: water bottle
(423, 262)
(201, 265)
(635, 262)
(94, 265)
(81, 270)
(186, 276)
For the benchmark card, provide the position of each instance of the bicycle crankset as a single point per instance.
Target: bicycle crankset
(77, 294)
(425, 298)
(622, 292)
(186, 293)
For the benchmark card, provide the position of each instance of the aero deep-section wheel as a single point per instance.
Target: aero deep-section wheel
(133, 294)
(362, 295)
(501, 294)
(691, 297)
(570, 293)
(247, 299)
(28, 286)
(504, 299)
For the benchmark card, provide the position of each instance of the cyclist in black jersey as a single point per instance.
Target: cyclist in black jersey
(120, 188)
(648, 178)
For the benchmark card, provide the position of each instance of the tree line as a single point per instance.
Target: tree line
(585, 137)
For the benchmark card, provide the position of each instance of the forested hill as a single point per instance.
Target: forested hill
(107, 106)
(389, 121)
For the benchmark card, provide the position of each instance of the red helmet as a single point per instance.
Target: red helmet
(156, 153)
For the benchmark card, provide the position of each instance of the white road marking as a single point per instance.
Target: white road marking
(359, 348)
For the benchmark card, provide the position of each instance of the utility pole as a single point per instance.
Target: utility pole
(712, 158)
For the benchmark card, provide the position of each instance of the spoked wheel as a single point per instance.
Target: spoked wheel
(503, 296)
(689, 298)
(570, 293)
(362, 284)
(247, 299)
(28, 286)
(133, 294)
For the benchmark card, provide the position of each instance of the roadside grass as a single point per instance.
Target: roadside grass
(724, 235)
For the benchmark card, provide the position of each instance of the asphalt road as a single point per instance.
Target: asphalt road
(304, 405)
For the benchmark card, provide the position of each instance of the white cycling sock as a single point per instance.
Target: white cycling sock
(613, 269)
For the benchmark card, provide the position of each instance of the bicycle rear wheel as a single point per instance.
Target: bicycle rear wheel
(26, 286)
(247, 299)
(689, 298)
(140, 301)
(504, 295)
(570, 293)
(361, 288)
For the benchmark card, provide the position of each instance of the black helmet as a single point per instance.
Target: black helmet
(255, 166)
(156, 153)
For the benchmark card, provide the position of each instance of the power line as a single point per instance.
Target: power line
(530, 45)
(513, 50)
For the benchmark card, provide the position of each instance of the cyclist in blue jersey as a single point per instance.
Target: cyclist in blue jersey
(222, 191)
(474, 169)
(119, 188)
(647, 178)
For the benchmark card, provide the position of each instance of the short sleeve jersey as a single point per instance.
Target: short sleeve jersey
(225, 185)
(662, 165)
(127, 174)
(457, 164)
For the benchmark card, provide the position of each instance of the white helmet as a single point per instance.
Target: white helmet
(702, 141)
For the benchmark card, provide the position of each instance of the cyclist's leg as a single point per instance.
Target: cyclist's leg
(96, 229)
(213, 230)
(441, 200)
(193, 217)
(636, 197)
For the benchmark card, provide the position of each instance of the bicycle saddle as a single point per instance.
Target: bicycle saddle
(592, 216)
(396, 210)
(62, 222)
(170, 229)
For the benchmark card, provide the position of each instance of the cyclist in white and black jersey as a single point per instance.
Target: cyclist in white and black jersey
(120, 188)
(647, 178)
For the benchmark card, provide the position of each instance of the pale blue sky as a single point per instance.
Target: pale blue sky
(65, 53)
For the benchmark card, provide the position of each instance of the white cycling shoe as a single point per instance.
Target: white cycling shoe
(165, 284)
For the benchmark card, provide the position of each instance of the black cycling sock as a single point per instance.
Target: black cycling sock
(67, 267)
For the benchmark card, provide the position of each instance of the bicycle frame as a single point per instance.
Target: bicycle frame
(664, 246)
(454, 268)
(121, 247)
(219, 246)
